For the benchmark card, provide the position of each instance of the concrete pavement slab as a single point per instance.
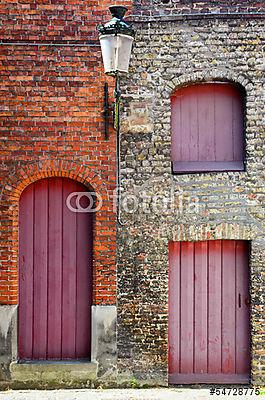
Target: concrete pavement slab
(122, 394)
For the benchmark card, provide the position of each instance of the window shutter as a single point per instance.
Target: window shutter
(207, 128)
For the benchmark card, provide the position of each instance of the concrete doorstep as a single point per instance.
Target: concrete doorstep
(50, 372)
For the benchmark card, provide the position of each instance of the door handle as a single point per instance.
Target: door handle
(239, 300)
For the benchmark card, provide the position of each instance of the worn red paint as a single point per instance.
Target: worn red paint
(207, 128)
(209, 332)
(55, 273)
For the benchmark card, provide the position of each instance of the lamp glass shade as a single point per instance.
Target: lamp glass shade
(116, 52)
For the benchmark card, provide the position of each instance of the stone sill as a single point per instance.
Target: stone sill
(53, 371)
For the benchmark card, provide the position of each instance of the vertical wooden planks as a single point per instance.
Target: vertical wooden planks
(228, 307)
(194, 134)
(187, 307)
(55, 268)
(209, 335)
(207, 124)
(215, 307)
(84, 224)
(26, 248)
(174, 306)
(69, 276)
(176, 148)
(242, 309)
(55, 273)
(200, 307)
(40, 270)
(188, 128)
(238, 117)
(223, 117)
(184, 132)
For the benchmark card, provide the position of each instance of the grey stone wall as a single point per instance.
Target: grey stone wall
(168, 55)
(8, 339)
(104, 343)
(169, 7)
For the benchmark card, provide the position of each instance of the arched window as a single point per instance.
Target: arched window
(208, 128)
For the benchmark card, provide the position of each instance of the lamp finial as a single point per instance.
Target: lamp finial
(118, 11)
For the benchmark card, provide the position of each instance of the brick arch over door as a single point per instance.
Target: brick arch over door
(55, 273)
(104, 232)
(207, 75)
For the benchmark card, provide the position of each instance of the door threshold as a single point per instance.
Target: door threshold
(49, 372)
(221, 378)
(57, 362)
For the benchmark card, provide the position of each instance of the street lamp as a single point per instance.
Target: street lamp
(116, 39)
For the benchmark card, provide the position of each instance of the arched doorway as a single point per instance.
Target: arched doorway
(55, 273)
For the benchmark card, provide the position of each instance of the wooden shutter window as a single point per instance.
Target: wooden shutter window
(207, 123)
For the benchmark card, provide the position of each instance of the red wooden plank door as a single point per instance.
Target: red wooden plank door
(55, 273)
(209, 317)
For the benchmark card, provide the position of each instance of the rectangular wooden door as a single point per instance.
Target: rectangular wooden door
(209, 316)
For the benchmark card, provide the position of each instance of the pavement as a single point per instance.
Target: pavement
(127, 394)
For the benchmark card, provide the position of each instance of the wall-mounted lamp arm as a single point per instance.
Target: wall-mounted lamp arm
(106, 112)
(117, 95)
(116, 39)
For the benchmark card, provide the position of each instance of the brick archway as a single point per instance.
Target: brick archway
(207, 76)
(105, 231)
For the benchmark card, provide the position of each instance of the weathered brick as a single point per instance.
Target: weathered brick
(51, 120)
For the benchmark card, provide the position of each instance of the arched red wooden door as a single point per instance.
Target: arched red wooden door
(55, 273)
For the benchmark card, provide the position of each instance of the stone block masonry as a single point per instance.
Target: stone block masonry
(168, 55)
(170, 7)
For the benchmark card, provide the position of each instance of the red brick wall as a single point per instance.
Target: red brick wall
(51, 121)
